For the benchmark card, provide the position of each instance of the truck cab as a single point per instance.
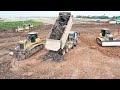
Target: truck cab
(73, 35)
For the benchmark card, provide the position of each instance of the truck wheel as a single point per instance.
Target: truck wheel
(66, 49)
(72, 46)
(62, 52)
(75, 44)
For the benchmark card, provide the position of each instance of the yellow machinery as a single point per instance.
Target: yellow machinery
(27, 47)
(19, 28)
(106, 38)
(26, 27)
(23, 28)
(30, 25)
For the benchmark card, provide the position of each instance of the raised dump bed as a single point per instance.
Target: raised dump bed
(59, 33)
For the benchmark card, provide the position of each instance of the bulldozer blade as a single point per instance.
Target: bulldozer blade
(102, 42)
(12, 52)
(111, 43)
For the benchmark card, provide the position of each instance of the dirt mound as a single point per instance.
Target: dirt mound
(53, 56)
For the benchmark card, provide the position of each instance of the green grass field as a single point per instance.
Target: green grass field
(18, 23)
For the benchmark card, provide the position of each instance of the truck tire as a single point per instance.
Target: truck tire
(72, 47)
(62, 51)
(66, 49)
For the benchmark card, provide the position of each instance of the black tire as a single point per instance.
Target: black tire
(66, 49)
(62, 52)
(75, 44)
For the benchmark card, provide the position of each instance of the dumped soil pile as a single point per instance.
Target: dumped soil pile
(55, 56)
(59, 27)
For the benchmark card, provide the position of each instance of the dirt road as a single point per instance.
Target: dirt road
(86, 61)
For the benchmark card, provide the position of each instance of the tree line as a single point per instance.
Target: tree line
(96, 17)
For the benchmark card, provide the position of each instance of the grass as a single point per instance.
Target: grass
(19, 23)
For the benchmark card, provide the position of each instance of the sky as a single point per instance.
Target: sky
(55, 13)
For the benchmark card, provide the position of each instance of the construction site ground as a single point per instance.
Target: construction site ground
(87, 60)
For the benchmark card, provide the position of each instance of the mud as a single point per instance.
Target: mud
(55, 56)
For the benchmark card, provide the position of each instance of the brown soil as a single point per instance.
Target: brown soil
(87, 60)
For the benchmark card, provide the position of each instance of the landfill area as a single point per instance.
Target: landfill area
(88, 60)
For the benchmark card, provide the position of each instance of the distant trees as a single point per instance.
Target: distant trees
(93, 17)
(116, 17)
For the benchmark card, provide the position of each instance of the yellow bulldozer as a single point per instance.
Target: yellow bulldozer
(105, 38)
(19, 28)
(24, 28)
(30, 25)
(27, 47)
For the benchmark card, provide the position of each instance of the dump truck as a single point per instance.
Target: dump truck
(61, 39)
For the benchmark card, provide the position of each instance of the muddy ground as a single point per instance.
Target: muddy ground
(86, 61)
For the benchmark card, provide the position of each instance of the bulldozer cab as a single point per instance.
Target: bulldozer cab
(32, 36)
(105, 31)
(22, 44)
(24, 25)
(30, 25)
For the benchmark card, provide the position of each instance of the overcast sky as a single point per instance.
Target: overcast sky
(55, 13)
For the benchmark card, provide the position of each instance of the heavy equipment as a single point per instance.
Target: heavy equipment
(19, 28)
(27, 47)
(30, 25)
(60, 39)
(23, 28)
(26, 27)
(105, 38)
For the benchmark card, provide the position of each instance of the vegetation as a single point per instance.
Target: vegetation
(18, 23)
(93, 17)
